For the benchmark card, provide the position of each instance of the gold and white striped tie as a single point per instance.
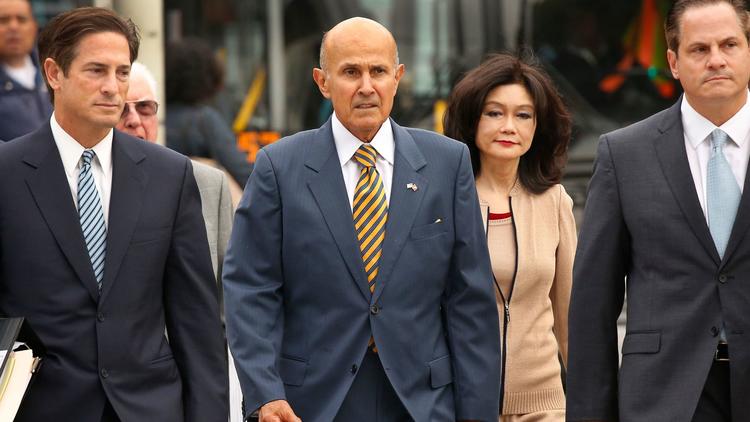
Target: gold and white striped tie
(370, 212)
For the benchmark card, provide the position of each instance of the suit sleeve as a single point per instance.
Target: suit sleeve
(192, 312)
(560, 292)
(469, 308)
(253, 280)
(597, 297)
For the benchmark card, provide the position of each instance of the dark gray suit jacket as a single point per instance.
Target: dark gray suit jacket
(157, 276)
(643, 221)
(300, 315)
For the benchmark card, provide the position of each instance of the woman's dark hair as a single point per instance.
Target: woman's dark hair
(194, 74)
(541, 166)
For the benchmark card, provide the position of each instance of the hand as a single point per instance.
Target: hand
(277, 411)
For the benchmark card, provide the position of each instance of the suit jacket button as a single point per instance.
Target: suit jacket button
(723, 278)
(100, 317)
(354, 369)
(104, 373)
(714, 331)
(374, 309)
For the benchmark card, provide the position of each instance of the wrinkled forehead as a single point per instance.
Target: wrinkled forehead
(371, 47)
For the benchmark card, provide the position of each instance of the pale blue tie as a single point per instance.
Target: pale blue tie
(92, 217)
(722, 193)
(722, 196)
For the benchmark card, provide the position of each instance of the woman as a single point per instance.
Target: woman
(194, 76)
(517, 129)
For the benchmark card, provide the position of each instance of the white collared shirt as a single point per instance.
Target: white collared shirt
(101, 166)
(347, 144)
(25, 75)
(698, 145)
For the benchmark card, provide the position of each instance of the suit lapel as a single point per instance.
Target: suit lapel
(128, 183)
(328, 188)
(741, 222)
(403, 204)
(671, 153)
(50, 189)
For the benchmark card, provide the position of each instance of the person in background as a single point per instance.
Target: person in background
(103, 248)
(357, 281)
(194, 128)
(667, 220)
(24, 101)
(509, 114)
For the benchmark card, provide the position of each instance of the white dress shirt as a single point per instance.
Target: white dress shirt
(698, 145)
(347, 144)
(101, 166)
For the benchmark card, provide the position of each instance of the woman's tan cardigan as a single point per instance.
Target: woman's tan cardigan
(538, 327)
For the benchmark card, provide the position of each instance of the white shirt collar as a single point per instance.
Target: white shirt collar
(71, 150)
(698, 128)
(347, 144)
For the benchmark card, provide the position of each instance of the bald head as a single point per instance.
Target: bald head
(357, 27)
(359, 73)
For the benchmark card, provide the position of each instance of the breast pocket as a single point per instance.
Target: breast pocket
(427, 231)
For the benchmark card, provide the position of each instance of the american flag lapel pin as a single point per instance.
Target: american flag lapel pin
(412, 186)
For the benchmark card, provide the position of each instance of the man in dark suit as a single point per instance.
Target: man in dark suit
(666, 209)
(103, 248)
(357, 281)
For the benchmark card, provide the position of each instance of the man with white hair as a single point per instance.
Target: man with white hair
(139, 119)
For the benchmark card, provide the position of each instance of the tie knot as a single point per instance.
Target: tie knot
(88, 155)
(365, 155)
(718, 138)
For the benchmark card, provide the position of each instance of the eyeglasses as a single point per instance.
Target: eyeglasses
(143, 108)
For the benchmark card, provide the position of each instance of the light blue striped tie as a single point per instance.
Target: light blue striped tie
(92, 217)
(722, 193)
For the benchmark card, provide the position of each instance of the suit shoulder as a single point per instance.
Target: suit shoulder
(15, 149)
(644, 130)
(435, 140)
(159, 154)
(206, 174)
(290, 143)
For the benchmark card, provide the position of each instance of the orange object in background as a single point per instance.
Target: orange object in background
(251, 142)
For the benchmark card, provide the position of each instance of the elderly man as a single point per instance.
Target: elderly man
(103, 247)
(139, 119)
(24, 102)
(668, 209)
(357, 282)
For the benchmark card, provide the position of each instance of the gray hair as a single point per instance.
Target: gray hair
(138, 69)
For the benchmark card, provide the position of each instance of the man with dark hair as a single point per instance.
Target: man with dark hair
(669, 209)
(24, 102)
(357, 281)
(103, 247)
